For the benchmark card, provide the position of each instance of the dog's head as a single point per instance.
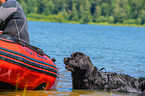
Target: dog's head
(78, 62)
(83, 71)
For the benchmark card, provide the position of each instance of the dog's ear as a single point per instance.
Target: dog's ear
(85, 63)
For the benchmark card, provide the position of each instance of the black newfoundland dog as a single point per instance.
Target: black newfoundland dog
(86, 76)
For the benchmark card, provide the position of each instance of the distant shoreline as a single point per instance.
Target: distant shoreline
(46, 19)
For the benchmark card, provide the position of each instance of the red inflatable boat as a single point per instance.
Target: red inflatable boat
(23, 65)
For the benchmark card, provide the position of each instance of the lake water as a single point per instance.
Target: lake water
(117, 48)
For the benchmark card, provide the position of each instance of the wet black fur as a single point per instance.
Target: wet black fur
(86, 76)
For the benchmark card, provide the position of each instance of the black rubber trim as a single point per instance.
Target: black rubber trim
(4, 85)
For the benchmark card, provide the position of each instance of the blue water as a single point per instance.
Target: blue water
(117, 48)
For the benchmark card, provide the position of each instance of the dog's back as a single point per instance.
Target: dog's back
(121, 82)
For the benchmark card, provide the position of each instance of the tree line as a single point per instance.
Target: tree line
(85, 11)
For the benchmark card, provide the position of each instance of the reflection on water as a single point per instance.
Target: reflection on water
(57, 93)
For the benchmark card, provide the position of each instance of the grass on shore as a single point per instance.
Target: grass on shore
(60, 18)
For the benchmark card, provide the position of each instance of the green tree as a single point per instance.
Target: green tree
(136, 5)
(105, 9)
(119, 12)
(74, 14)
(32, 6)
(59, 6)
(97, 13)
(142, 16)
(66, 15)
(49, 7)
(94, 3)
(85, 15)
